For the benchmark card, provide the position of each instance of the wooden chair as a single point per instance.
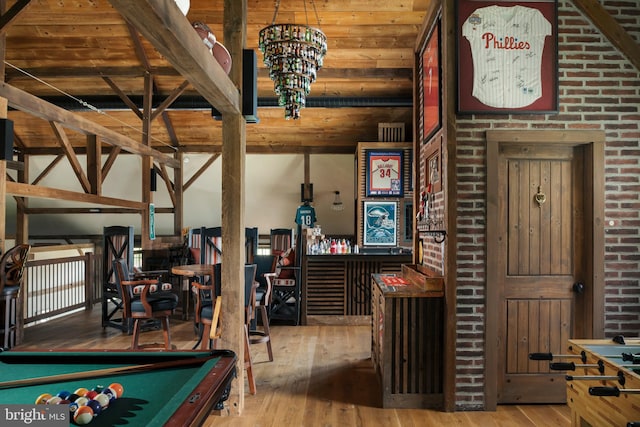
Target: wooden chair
(11, 276)
(207, 309)
(142, 300)
(250, 286)
(285, 283)
(261, 304)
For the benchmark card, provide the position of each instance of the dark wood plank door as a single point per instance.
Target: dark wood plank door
(540, 199)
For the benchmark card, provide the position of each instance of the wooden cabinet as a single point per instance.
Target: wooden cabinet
(407, 343)
(337, 288)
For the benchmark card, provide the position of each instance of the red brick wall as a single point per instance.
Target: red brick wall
(599, 89)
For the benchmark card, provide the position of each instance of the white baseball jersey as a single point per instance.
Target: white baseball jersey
(506, 47)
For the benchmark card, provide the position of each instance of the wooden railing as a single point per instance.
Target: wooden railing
(56, 286)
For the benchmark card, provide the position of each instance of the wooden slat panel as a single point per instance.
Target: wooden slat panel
(416, 357)
(325, 288)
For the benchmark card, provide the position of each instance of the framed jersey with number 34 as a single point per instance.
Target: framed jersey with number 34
(384, 173)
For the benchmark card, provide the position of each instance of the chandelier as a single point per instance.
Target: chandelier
(293, 55)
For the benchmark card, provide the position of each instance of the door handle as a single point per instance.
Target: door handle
(578, 288)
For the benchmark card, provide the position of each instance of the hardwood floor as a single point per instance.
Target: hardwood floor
(320, 376)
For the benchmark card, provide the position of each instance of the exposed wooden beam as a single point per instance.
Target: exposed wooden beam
(71, 156)
(169, 31)
(169, 99)
(12, 14)
(28, 103)
(200, 171)
(123, 96)
(132, 72)
(614, 32)
(26, 190)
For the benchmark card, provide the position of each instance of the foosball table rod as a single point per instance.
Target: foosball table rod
(570, 366)
(612, 391)
(620, 378)
(550, 356)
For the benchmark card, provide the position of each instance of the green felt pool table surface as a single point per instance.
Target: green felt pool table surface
(160, 388)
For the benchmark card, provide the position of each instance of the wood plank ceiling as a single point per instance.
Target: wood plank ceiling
(82, 51)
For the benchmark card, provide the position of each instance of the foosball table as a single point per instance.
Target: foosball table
(603, 381)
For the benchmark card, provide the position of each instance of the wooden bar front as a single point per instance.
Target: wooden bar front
(407, 345)
(336, 289)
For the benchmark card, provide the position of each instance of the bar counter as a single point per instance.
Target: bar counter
(336, 289)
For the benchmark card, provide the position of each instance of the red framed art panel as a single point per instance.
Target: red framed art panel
(492, 36)
(431, 85)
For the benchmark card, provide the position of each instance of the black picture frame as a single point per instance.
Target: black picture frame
(384, 170)
(523, 90)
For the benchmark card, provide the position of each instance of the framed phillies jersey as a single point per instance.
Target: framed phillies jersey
(507, 56)
(384, 173)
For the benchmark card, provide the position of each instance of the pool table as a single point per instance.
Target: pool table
(167, 388)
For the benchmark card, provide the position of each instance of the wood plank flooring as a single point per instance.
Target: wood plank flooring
(321, 376)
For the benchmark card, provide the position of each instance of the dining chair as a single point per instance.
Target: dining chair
(208, 309)
(12, 265)
(145, 298)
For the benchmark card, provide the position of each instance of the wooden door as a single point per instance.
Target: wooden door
(542, 198)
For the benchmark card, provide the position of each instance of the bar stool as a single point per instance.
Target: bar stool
(11, 274)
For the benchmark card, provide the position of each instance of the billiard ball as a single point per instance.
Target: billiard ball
(73, 407)
(103, 399)
(110, 393)
(95, 406)
(98, 388)
(42, 399)
(91, 394)
(54, 400)
(72, 397)
(82, 401)
(81, 391)
(84, 415)
(64, 394)
(117, 388)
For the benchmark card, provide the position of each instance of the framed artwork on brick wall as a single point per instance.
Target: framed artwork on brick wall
(507, 54)
(430, 118)
(433, 166)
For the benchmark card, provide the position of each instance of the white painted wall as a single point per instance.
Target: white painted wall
(272, 194)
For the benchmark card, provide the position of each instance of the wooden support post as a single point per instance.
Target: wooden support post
(233, 190)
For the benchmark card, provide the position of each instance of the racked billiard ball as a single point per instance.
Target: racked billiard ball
(95, 406)
(117, 388)
(103, 399)
(84, 415)
(82, 401)
(54, 400)
(81, 391)
(42, 399)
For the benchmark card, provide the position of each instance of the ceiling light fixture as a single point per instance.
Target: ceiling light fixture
(293, 54)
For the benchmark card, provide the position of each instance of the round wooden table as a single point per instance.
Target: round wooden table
(190, 271)
(193, 270)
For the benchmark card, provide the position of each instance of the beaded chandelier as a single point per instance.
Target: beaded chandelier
(293, 54)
